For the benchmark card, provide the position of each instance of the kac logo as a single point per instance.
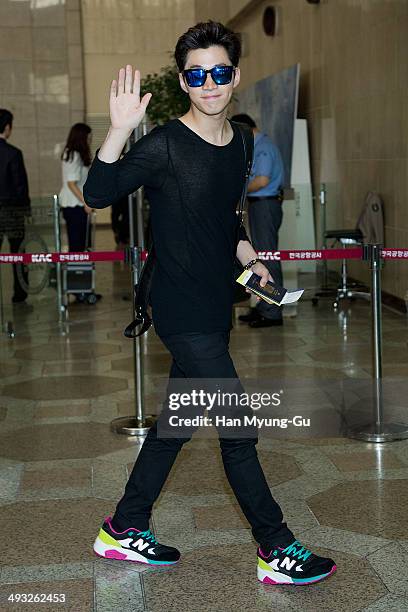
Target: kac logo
(268, 255)
(41, 257)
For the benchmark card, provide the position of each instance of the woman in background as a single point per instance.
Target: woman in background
(76, 160)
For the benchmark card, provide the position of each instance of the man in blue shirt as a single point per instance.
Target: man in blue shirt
(265, 215)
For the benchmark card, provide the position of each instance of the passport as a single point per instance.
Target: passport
(271, 293)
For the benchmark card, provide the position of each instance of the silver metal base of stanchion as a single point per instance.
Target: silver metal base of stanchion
(9, 329)
(131, 426)
(386, 433)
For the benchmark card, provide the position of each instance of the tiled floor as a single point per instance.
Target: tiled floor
(62, 470)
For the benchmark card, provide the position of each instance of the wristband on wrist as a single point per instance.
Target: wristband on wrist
(251, 263)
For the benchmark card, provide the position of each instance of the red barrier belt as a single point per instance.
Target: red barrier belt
(394, 253)
(284, 255)
(314, 255)
(29, 258)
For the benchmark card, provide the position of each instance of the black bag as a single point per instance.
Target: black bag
(142, 289)
(142, 296)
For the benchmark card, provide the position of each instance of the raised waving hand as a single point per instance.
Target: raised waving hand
(126, 108)
(126, 112)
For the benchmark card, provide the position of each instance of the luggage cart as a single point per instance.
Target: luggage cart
(78, 278)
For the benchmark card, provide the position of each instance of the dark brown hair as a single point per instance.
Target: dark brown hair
(204, 35)
(78, 141)
(6, 118)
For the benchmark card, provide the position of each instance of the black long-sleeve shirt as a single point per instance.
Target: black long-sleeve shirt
(193, 188)
(13, 177)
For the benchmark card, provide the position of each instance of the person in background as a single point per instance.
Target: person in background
(265, 215)
(120, 219)
(120, 222)
(76, 160)
(14, 197)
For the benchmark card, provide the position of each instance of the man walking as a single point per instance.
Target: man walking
(264, 215)
(193, 170)
(14, 198)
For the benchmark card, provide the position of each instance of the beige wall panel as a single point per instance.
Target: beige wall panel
(49, 44)
(102, 69)
(94, 35)
(165, 9)
(53, 111)
(234, 6)
(73, 24)
(107, 9)
(75, 61)
(115, 36)
(77, 116)
(144, 37)
(159, 36)
(15, 44)
(36, 66)
(47, 13)
(51, 142)
(15, 14)
(26, 139)
(23, 109)
(218, 10)
(51, 78)
(77, 94)
(20, 79)
(401, 42)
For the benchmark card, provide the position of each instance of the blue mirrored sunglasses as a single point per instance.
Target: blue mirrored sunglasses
(196, 77)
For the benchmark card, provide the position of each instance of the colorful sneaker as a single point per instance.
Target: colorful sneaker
(293, 565)
(133, 545)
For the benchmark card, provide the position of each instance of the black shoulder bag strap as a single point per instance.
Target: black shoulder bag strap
(142, 289)
(248, 144)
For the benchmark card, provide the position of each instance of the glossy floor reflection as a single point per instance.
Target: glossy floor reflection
(62, 470)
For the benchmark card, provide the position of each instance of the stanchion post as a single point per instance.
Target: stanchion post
(139, 217)
(135, 200)
(325, 291)
(322, 200)
(376, 318)
(57, 234)
(1, 304)
(379, 431)
(142, 131)
(6, 326)
(140, 424)
(132, 238)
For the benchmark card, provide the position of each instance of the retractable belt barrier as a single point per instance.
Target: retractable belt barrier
(378, 431)
(282, 255)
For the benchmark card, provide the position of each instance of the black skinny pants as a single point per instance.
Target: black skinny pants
(12, 221)
(265, 219)
(76, 219)
(197, 355)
